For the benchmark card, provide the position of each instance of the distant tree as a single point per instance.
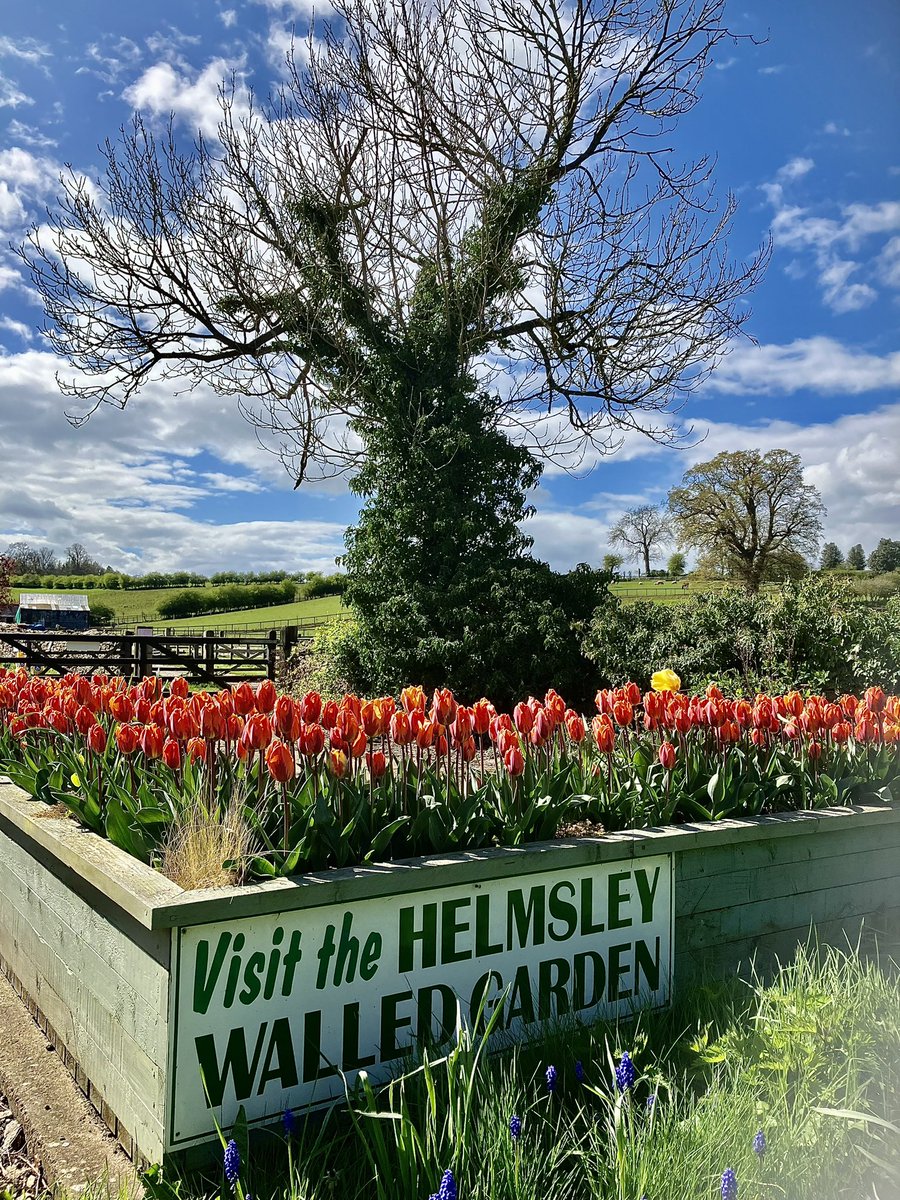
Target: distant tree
(856, 558)
(831, 557)
(79, 562)
(8, 567)
(641, 530)
(885, 557)
(611, 563)
(676, 565)
(751, 511)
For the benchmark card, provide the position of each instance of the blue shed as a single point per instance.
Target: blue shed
(54, 610)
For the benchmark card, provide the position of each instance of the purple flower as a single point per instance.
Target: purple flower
(550, 1077)
(729, 1185)
(288, 1123)
(651, 1100)
(515, 1128)
(447, 1190)
(759, 1144)
(232, 1162)
(579, 1072)
(625, 1073)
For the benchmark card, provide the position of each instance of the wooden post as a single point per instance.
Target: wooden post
(272, 656)
(288, 641)
(142, 656)
(209, 650)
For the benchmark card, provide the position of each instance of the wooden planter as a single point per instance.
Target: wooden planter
(172, 1008)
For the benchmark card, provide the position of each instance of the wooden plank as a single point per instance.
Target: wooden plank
(136, 888)
(722, 860)
(355, 883)
(131, 1084)
(763, 917)
(780, 879)
(714, 961)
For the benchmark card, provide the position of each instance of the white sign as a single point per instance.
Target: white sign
(270, 1010)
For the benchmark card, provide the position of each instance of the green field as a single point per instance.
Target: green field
(270, 617)
(127, 605)
(664, 591)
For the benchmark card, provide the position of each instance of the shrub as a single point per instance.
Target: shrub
(810, 633)
(323, 585)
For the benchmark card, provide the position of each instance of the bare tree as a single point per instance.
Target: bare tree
(441, 186)
(641, 530)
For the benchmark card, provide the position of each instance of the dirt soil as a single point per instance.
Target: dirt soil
(19, 1176)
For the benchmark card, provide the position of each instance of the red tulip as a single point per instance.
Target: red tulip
(514, 762)
(312, 740)
(413, 699)
(196, 750)
(257, 732)
(575, 727)
(311, 707)
(623, 712)
(523, 718)
(171, 754)
(127, 739)
(401, 731)
(121, 707)
(874, 700)
(377, 764)
(152, 741)
(338, 763)
(266, 695)
(482, 711)
(667, 755)
(284, 715)
(96, 739)
(84, 719)
(280, 761)
(243, 699)
(814, 751)
(604, 734)
(179, 687)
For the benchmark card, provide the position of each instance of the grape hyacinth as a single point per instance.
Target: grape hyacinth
(651, 1100)
(550, 1077)
(625, 1073)
(515, 1128)
(288, 1123)
(447, 1190)
(759, 1144)
(579, 1072)
(232, 1162)
(729, 1185)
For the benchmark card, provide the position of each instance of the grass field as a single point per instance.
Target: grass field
(261, 618)
(127, 605)
(663, 591)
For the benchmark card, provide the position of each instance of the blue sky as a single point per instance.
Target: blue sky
(804, 128)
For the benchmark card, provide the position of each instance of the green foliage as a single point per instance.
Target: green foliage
(813, 633)
(831, 557)
(795, 1054)
(611, 563)
(885, 557)
(194, 601)
(749, 514)
(102, 614)
(676, 565)
(317, 585)
(856, 558)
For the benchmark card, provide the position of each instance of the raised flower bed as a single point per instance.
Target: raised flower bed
(175, 1007)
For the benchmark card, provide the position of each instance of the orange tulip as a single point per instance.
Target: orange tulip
(312, 740)
(127, 739)
(667, 755)
(96, 739)
(243, 699)
(575, 727)
(401, 731)
(280, 761)
(311, 707)
(171, 754)
(179, 687)
(604, 734)
(196, 750)
(377, 764)
(152, 741)
(257, 732)
(266, 695)
(284, 716)
(514, 762)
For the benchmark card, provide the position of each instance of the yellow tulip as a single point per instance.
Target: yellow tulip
(665, 681)
(76, 782)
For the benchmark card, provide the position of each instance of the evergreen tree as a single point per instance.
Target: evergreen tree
(856, 558)
(831, 557)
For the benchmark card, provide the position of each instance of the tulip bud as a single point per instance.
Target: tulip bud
(196, 750)
(814, 751)
(667, 755)
(171, 754)
(514, 762)
(284, 716)
(575, 727)
(377, 764)
(96, 739)
(604, 734)
(243, 699)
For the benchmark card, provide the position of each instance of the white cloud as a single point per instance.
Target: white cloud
(192, 96)
(28, 135)
(818, 363)
(19, 328)
(835, 130)
(889, 263)
(228, 18)
(26, 48)
(797, 228)
(775, 69)
(134, 486)
(11, 95)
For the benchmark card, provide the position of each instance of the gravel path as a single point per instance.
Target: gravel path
(19, 1177)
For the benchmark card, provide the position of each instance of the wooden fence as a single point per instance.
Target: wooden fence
(208, 658)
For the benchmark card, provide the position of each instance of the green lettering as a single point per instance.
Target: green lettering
(253, 969)
(616, 970)
(427, 935)
(235, 1063)
(616, 899)
(521, 1002)
(529, 920)
(646, 893)
(562, 910)
(350, 1049)
(451, 928)
(370, 956)
(483, 944)
(553, 988)
(205, 976)
(646, 963)
(587, 908)
(391, 1022)
(581, 998)
(281, 1049)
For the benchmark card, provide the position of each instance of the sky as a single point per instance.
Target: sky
(802, 118)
